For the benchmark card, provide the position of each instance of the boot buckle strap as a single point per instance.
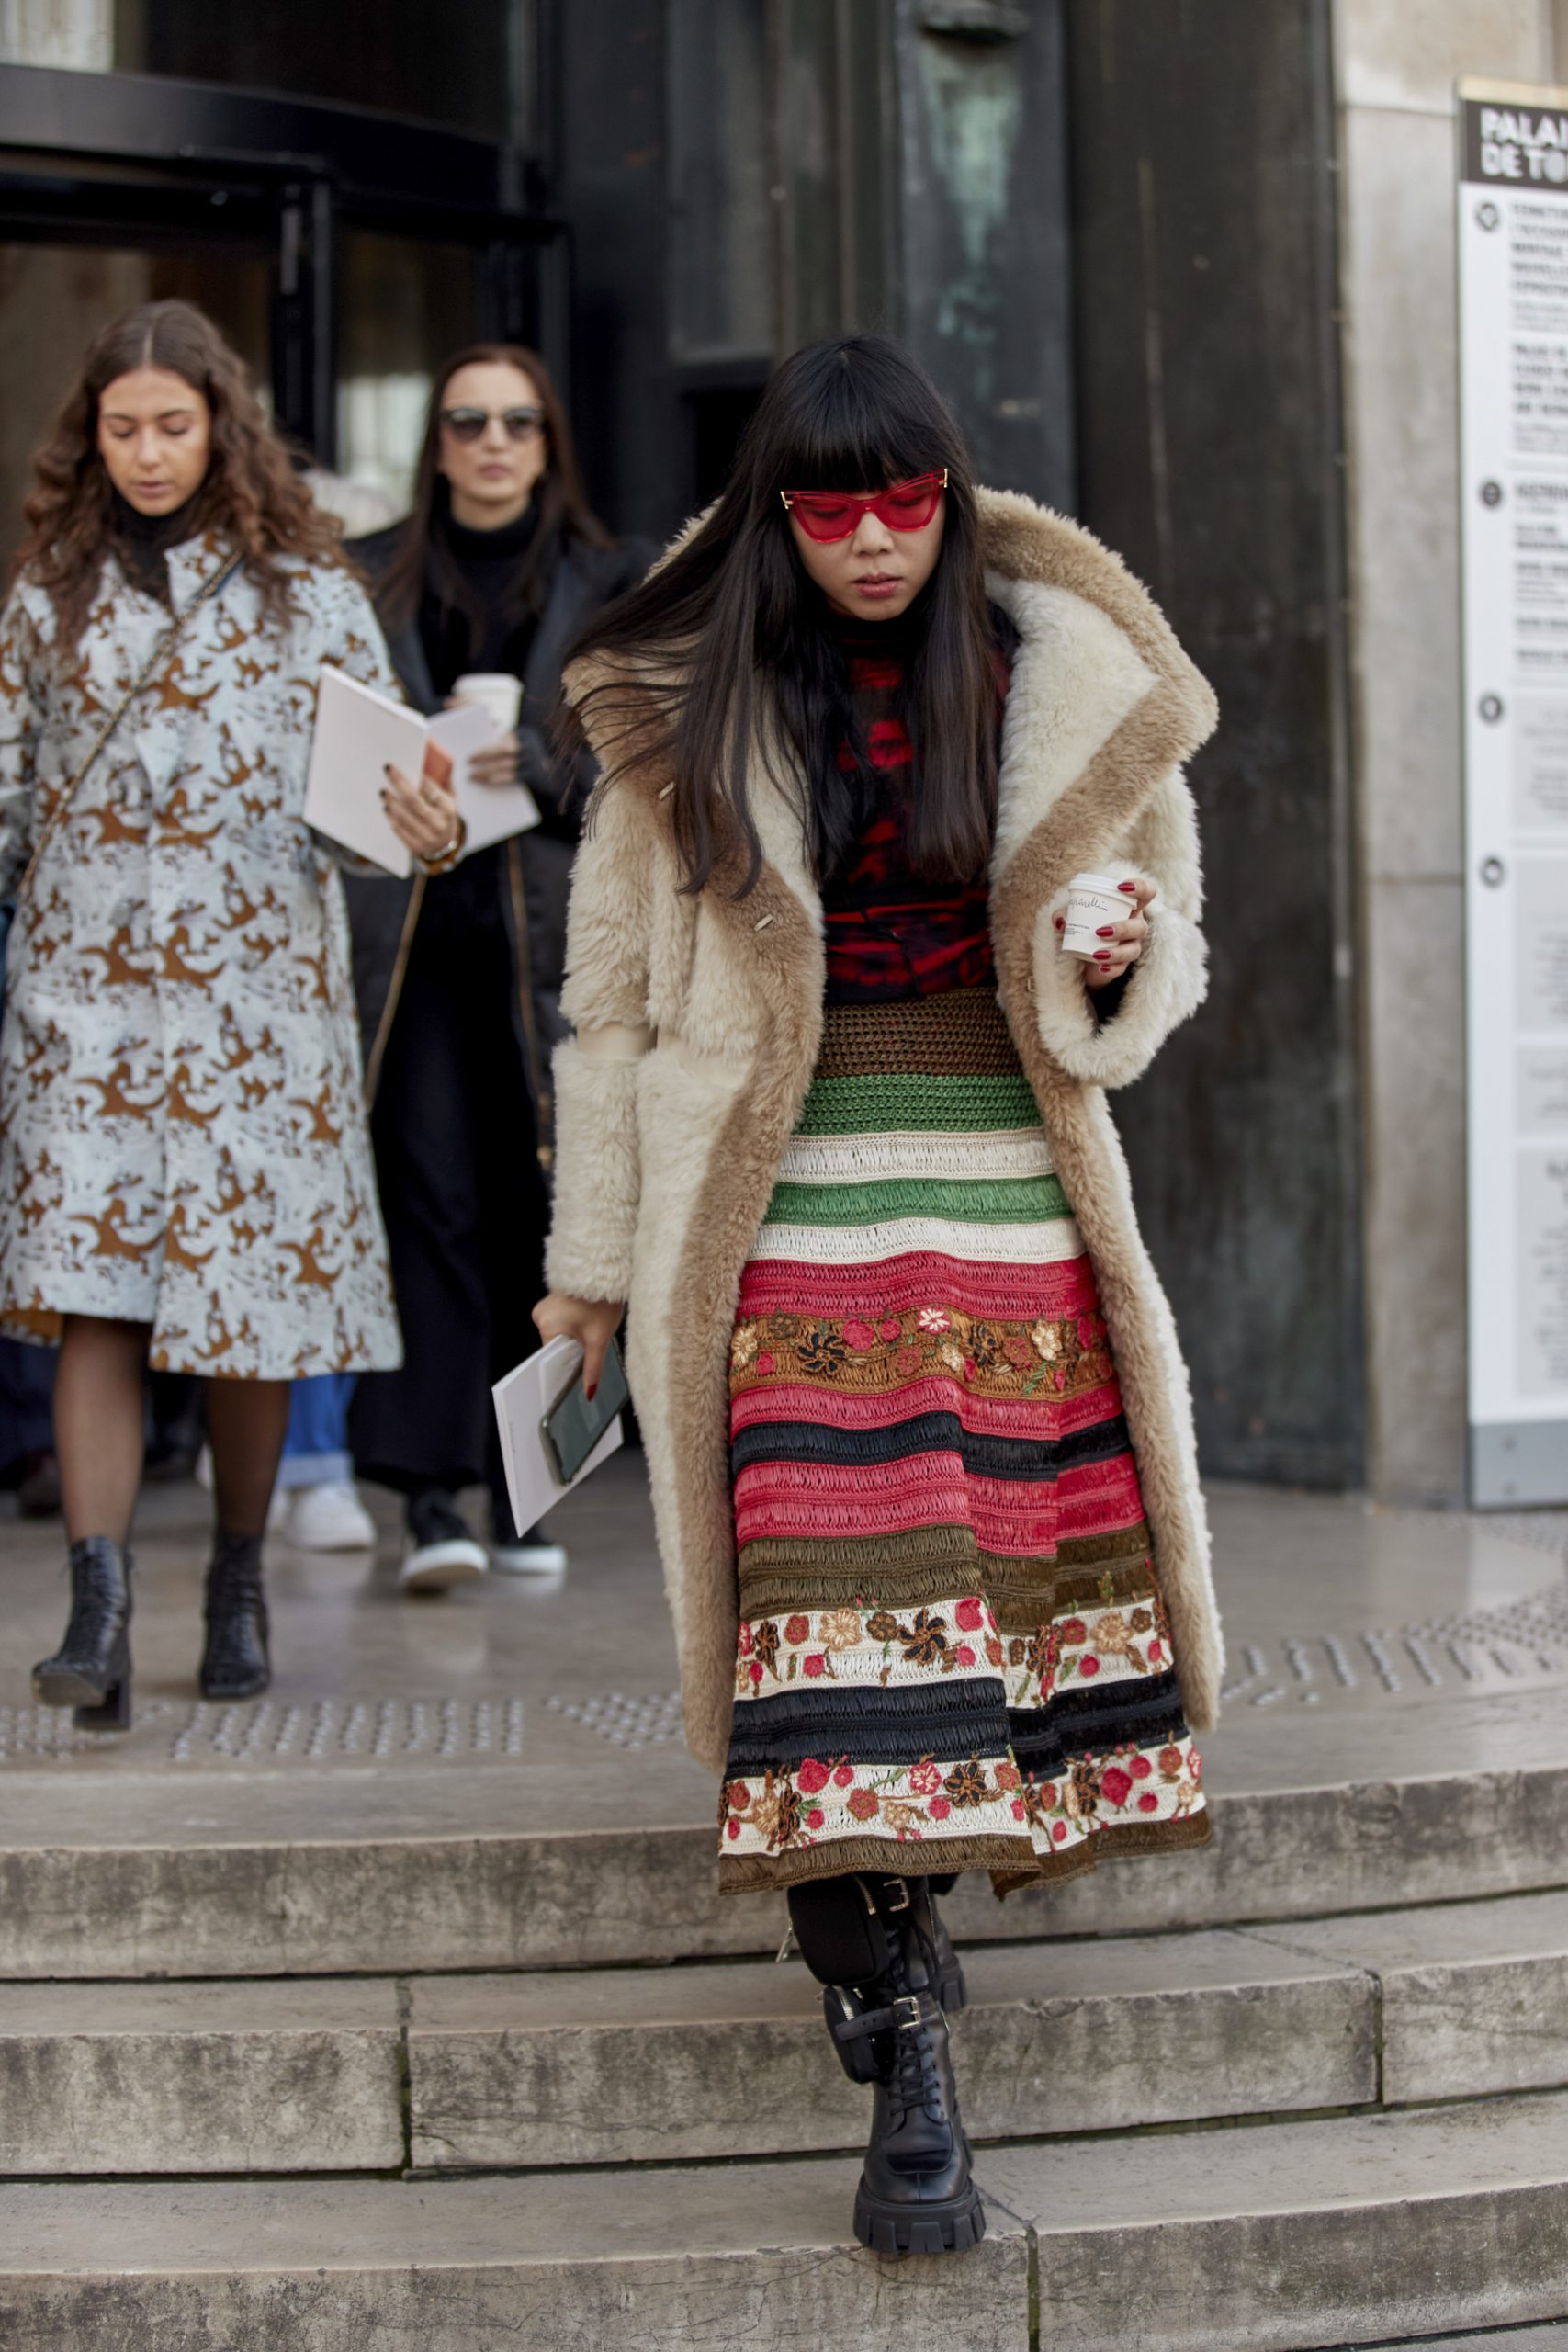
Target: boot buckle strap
(902, 2015)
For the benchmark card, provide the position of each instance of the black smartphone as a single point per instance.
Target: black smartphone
(575, 1423)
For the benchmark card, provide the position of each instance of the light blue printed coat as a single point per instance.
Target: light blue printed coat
(183, 1140)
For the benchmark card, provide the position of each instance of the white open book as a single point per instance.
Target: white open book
(522, 1400)
(359, 733)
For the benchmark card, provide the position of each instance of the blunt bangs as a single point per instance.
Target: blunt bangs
(855, 416)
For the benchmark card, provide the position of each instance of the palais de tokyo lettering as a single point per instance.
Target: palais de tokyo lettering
(1516, 143)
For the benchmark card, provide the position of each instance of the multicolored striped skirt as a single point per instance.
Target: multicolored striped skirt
(953, 1653)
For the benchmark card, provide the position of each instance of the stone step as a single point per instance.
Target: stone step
(299, 2077)
(1351, 2232)
(1554, 2337)
(1360, 2230)
(1474, 1995)
(629, 2065)
(257, 1875)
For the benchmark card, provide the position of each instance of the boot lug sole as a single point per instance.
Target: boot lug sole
(894, 2231)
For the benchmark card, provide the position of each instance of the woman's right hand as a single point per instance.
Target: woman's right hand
(592, 1322)
(424, 816)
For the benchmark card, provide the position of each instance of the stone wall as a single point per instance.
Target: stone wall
(58, 32)
(1396, 66)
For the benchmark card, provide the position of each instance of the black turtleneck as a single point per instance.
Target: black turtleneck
(488, 563)
(143, 542)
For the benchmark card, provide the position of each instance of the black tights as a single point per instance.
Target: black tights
(98, 1409)
(830, 1920)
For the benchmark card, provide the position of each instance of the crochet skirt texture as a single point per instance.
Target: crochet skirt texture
(953, 1654)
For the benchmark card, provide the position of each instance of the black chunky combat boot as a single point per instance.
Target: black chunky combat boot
(870, 1941)
(91, 1669)
(950, 1989)
(234, 1664)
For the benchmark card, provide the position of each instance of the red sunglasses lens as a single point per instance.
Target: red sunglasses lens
(909, 506)
(822, 516)
(828, 514)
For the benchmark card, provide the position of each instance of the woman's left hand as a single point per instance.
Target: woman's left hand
(495, 764)
(1120, 944)
(424, 815)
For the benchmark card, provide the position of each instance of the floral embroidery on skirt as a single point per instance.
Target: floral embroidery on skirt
(951, 1634)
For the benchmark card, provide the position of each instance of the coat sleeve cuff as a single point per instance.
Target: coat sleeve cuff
(597, 1175)
(1167, 984)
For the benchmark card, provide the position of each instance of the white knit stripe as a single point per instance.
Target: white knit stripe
(1041, 1243)
(865, 1160)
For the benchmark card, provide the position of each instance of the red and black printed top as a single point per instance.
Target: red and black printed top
(889, 934)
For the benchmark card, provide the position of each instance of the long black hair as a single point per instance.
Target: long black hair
(731, 639)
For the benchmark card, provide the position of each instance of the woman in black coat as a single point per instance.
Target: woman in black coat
(496, 568)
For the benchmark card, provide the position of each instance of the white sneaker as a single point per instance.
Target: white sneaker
(529, 1559)
(327, 1519)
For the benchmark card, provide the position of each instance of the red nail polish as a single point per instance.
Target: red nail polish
(593, 1392)
(1106, 930)
(1131, 886)
(1061, 922)
(1103, 954)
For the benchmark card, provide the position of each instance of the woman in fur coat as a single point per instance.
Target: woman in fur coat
(834, 1123)
(184, 1171)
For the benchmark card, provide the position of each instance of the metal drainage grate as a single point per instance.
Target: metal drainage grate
(273, 1732)
(648, 1722)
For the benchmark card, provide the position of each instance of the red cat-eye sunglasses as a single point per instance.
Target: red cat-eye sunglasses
(833, 514)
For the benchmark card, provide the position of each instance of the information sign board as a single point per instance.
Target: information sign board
(1513, 323)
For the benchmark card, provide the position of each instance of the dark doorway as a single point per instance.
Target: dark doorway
(293, 225)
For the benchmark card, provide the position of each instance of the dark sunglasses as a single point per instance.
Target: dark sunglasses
(834, 513)
(469, 423)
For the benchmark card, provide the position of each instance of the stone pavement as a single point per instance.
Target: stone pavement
(357, 1979)
(1331, 1606)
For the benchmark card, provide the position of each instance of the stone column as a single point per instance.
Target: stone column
(58, 32)
(1396, 63)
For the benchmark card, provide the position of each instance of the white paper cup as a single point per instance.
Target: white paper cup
(496, 691)
(1093, 899)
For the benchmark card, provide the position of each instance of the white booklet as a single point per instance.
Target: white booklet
(522, 1400)
(359, 733)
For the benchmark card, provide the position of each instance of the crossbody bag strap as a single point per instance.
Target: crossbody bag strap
(155, 663)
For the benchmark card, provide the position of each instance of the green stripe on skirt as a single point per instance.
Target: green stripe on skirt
(997, 1200)
(906, 1105)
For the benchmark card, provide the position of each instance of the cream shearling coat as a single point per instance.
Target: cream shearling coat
(698, 1021)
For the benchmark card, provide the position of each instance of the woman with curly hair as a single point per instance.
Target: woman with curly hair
(185, 1173)
(833, 1120)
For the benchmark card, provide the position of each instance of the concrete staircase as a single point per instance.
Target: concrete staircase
(423, 2091)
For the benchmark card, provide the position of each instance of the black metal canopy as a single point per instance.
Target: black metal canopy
(139, 159)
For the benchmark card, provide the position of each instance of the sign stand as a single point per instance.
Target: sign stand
(1512, 336)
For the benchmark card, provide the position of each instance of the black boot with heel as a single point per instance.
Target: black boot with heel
(91, 1669)
(234, 1663)
(878, 1947)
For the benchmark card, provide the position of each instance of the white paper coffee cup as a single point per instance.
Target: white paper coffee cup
(496, 691)
(1093, 900)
